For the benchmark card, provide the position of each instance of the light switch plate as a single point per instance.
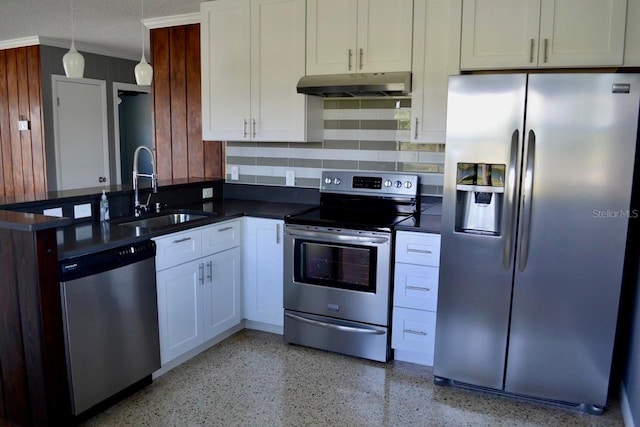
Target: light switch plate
(235, 173)
(290, 178)
(207, 193)
(23, 124)
(82, 211)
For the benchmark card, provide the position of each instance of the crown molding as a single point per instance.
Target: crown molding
(172, 21)
(66, 44)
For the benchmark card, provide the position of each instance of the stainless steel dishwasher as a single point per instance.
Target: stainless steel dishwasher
(110, 315)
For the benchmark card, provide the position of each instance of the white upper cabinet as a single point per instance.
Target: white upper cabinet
(632, 38)
(358, 36)
(253, 54)
(542, 33)
(436, 56)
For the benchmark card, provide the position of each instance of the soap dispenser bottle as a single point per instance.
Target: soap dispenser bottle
(104, 207)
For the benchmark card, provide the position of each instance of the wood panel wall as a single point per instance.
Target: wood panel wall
(180, 150)
(22, 154)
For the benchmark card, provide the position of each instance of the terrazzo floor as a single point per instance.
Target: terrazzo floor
(254, 379)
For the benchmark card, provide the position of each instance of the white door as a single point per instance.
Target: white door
(581, 32)
(222, 305)
(226, 68)
(384, 35)
(277, 63)
(499, 34)
(331, 36)
(80, 124)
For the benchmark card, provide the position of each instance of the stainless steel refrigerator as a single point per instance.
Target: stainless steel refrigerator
(538, 180)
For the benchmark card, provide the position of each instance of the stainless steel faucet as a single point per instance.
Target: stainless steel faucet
(137, 206)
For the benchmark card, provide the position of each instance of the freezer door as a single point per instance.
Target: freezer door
(579, 158)
(485, 119)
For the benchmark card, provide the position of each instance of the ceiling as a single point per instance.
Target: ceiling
(110, 25)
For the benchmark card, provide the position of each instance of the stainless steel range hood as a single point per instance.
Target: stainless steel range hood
(351, 85)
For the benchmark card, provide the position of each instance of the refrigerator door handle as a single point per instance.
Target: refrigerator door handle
(527, 200)
(509, 206)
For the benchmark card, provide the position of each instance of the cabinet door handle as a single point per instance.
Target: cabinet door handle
(201, 273)
(349, 55)
(244, 128)
(225, 229)
(361, 54)
(210, 267)
(546, 50)
(416, 130)
(278, 234)
(417, 288)
(253, 127)
(411, 331)
(420, 251)
(184, 239)
(533, 43)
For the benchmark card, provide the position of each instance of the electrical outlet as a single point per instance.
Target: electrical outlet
(53, 212)
(290, 178)
(23, 124)
(82, 211)
(207, 193)
(235, 173)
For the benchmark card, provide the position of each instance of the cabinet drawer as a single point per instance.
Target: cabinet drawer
(415, 286)
(177, 248)
(418, 248)
(413, 330)
(220, 237)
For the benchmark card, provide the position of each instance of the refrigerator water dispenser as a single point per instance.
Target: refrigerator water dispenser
(480, 193)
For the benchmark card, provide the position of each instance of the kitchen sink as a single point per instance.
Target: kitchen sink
(165, 220)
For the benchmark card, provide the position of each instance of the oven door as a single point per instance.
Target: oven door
(344, 274)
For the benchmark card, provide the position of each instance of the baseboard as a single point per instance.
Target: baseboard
(413, 357)
(627, 415)
(194, 352)
(264, 327)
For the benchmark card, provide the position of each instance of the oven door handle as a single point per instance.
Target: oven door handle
(342, 328)
(339, 237)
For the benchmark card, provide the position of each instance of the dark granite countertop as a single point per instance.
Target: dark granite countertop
(21, 221)
(84, 238)
(428, 222)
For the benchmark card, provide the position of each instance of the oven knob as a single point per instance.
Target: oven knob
(336, 181)
(407, 184)
(387, 183)
(327, 180)
(398, 184)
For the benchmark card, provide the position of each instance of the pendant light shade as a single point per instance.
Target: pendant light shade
(143, 71)
(73, 61)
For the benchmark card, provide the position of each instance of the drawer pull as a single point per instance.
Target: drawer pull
(184, 239)
(420, 251)
(417, 288)
(225, 229)
(411, 331)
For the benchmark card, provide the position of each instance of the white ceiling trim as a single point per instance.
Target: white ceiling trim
(172, 21)
(21, 42)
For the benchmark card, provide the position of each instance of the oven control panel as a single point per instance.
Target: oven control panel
(390, 184)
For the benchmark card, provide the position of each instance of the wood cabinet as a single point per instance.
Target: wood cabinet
(415, 296)
(253, 54)
(262, 280)
(436, 56)
(358, 36)
(198, 278)
(542, 33)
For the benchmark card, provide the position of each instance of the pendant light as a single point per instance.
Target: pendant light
(143, 71)
(73, 61)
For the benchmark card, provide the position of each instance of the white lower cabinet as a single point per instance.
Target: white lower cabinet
(262, 280)
(415, 296)
(198, 297)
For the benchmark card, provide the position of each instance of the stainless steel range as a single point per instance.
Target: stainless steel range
(337, 266)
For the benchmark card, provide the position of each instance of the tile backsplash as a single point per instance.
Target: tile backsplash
(359, 134)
